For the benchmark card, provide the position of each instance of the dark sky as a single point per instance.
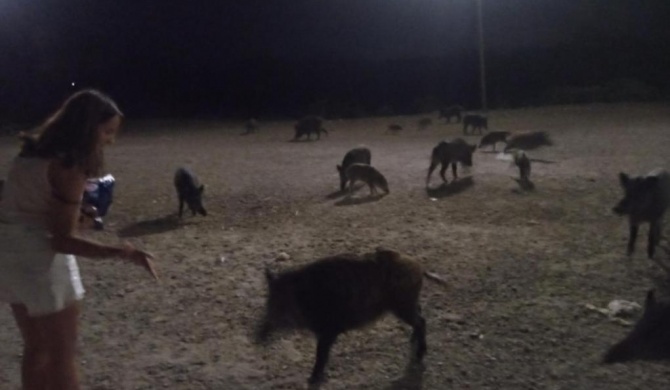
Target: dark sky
(53, 40)
(393, 28)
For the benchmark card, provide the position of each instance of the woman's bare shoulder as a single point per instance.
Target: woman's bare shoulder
(67, 183)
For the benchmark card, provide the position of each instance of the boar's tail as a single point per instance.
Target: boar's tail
(434, 277)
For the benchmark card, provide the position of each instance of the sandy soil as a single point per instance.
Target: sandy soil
(520, 265)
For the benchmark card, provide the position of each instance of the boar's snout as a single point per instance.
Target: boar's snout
(618, 354)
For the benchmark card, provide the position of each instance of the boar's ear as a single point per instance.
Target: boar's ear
(650, 301)
(201, 189)
(623, 179)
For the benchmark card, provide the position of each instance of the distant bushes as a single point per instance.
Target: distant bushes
(620, 90)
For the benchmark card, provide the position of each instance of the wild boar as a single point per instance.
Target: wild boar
(309, 125)
(189, 191)
(476, 121)
(343, 292)
(528, 140)
(645, 200)
(522, 161)
(493, 138)
(367, 174)
(446, 153)
(449, 112)
(649, 339)
(359, 155)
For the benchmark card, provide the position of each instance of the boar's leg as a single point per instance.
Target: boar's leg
(453, 170)
(351, 186)
(632, 236)
(654, 238)
(412, 316)
(443, 169)
(324, 343)
(181, 205)
(432, 167)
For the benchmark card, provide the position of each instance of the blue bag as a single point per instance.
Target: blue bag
(99, 193)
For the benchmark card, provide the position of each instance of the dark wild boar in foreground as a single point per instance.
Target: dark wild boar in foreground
(446, 153)
(650, 339)
(476, 121)
(492, 138)
(189, 190)
(645, 200)
(344, 292)
(359, 155)
(309, 125)
(367, 174)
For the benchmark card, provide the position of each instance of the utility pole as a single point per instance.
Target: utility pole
(482, 67)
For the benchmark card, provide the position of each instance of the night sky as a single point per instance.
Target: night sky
(243, 58)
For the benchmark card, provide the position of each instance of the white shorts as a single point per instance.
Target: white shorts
(33, 275)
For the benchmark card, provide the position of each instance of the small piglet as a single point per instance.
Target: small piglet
(344, 292)
(189, 190)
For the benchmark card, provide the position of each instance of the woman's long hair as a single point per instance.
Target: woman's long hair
(71, 133)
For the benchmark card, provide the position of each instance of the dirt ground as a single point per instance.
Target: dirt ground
(520, 265)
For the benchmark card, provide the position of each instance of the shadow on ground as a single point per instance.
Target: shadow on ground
(151, 226)
(336, 194)
(300, 140)
(412, 379)
(452, 188)
(351, 201)
(524, 185)
(339, 194)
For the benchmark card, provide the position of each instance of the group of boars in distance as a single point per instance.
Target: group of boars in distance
(338, 293)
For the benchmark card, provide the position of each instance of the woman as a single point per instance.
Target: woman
(39, 211)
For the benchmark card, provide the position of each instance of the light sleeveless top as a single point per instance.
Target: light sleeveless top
(31, 273)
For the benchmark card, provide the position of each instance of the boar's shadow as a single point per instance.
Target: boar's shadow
(412, 379)
(303, 139)
(151, 226)
(339, 193)
(524, 185)
(351, 201)
(452, 188)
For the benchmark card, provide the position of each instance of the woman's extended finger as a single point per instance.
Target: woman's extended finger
(149, 265)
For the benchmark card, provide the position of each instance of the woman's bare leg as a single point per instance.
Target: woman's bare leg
(49, 360)
(35, 361)
(60, 335)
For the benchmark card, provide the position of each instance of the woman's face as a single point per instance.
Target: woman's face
(107, 130)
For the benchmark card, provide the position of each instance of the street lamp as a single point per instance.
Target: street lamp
(482, 68)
